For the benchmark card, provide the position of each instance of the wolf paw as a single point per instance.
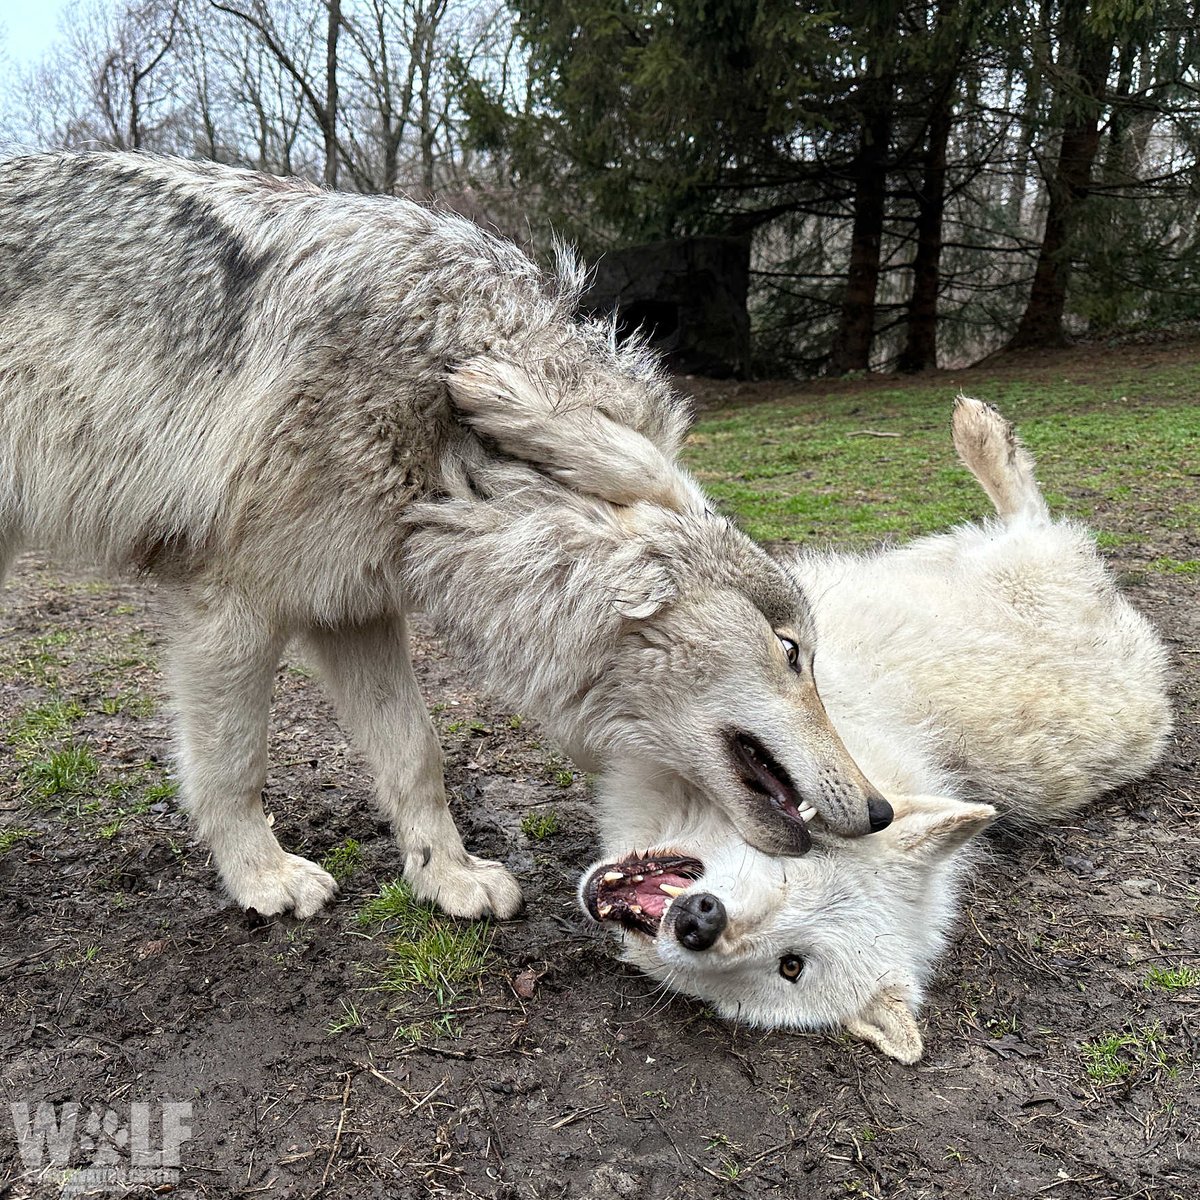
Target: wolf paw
(467, 887)
(288, 884)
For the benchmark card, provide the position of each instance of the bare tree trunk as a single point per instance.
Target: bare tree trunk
(856, 328)
(1028, 124)
(324, 111)
(425, 48)
(1042, 322)
(920, 346)
(329, 115)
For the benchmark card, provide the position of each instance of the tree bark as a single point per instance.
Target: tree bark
(329, 116)
(1041, 324)
(920, 345)
(856, 327)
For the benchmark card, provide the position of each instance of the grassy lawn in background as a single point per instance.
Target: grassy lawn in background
(814, 468)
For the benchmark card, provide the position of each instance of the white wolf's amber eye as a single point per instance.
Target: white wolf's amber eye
(790, 967)
(790, 648)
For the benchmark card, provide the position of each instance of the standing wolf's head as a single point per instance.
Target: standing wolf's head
(585, 572)
(845, 936)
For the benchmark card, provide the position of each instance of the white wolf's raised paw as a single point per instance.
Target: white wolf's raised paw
(288, 884)
(467, 887)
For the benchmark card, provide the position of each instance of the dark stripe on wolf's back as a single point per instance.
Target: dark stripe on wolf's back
(147, 263)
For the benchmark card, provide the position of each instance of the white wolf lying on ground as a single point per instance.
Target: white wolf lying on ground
(995, 665)
(269, 397)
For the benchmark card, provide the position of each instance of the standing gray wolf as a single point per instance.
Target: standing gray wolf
(283, 403)
(994, 668)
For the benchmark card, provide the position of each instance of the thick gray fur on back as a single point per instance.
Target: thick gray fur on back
(222, 333)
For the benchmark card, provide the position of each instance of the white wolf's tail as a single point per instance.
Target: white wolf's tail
(992, 452)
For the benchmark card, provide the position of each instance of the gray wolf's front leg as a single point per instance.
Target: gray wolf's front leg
(368, 670)
(222, 668)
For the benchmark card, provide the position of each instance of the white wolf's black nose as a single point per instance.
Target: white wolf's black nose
(699, 919)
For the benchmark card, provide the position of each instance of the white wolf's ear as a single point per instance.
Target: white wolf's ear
(935, 826)
(889, 1024)
(571, 440)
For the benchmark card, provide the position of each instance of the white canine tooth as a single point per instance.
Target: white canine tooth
(671, 890)
(807, 814)
(639, 879)
(613, 877)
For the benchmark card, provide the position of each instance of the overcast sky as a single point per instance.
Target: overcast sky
(27, 27)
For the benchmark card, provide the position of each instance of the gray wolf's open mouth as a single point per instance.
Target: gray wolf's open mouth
(764, 776)
(636, 892)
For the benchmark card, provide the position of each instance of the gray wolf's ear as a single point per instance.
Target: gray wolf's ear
(889, 1024)
(570, 439)
(641, 583)
(935, 826)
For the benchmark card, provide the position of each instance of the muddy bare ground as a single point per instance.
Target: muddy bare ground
(125, 977)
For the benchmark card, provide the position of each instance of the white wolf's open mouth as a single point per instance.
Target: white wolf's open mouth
(635, 892)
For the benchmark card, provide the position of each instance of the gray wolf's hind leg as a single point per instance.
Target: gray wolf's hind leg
(368, 670)
(222, 669)
(992, 452)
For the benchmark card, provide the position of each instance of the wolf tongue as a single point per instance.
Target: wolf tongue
(779, 793)
(764, 775)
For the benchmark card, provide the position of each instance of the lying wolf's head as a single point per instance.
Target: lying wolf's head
(845, 936)
(648, 631)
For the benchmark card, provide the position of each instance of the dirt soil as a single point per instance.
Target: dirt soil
(126, 977)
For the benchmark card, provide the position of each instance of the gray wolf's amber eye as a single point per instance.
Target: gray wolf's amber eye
(790, 648)
(790, 967)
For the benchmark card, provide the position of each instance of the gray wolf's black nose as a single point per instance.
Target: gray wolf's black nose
(699, 919)
(879, 813)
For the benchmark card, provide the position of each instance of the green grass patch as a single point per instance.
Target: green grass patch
(36, 726)
(429, 951)
(63, 772)
(12, 837)
(1176, 566)
(136, 704)
(164, 789)
(815, 468)
(349, 1019)
(343, 860)
(1173, 979)
(540, 824)
(134, 791)
(58, 637)
(394, 903)
(1116, 1056)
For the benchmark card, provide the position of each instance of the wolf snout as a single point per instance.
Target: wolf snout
(879, 813)
(700, 919)
(849, 804)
